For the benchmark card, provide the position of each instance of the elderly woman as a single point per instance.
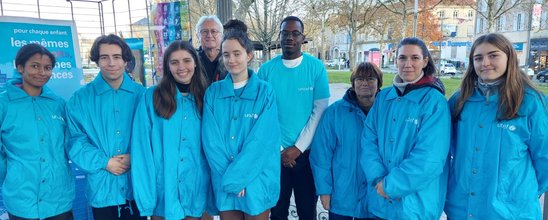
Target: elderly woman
(335, 152)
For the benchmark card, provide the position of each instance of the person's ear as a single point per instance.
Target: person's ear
(21, 69)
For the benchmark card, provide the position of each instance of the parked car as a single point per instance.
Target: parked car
(542, 76)
(530, 72)
(335, 62)
(448, 68)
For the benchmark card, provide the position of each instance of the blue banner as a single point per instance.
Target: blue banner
(138, 72)
(59, 37)
(518, 46)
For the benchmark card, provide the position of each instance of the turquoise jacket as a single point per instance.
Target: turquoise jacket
(241, 138)
(168, 167)
(35, 174)
(99, 120)
(335, 155)
(499, 168)
(405, 144)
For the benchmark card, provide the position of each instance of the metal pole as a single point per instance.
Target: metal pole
(224, 10)
(101, 18)
(528, 54)
(114, 15)
(71, 9)
(416, 16)
(130, 22)
(38, 5)
(149, 51)
(1, 7)
(545, 217)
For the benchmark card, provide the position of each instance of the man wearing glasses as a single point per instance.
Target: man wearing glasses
(302, 92)
(209, 31)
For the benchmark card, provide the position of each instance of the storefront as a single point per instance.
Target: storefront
(539, 54)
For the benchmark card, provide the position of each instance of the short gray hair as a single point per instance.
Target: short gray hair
(205, 18)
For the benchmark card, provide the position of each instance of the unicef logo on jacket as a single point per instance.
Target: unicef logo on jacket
(58, 117)
(306, 89)
(506, 126)
(252, 116)
(414, 121)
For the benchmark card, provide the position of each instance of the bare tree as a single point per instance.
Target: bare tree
(242, 6)
(383, 26)
(264, 21)
(353, 16)
(316, 20)
(493, 10)
(404, 8)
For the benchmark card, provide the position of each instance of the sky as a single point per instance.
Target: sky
(86, 13)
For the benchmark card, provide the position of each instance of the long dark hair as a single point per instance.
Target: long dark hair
(164, 101)
(513, 85)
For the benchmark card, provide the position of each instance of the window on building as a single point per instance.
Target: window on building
(470, 13)
(480, 26)
(519, 24)
(455, 14)
(441, 14)
(500, 23)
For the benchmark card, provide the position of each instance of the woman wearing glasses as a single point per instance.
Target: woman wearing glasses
(405, 142)
(335, 153)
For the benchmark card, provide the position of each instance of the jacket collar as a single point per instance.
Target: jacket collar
(250, 90)
(15, 92)
(101, 86)
(414, 95)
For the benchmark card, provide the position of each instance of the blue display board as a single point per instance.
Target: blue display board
(60, 37)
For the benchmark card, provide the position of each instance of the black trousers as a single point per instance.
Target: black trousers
(128, 211)
(64, 216)
(299, 180)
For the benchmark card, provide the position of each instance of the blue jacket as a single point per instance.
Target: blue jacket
(241, 138)
(99, 120)
(168, 168)
(36, 178)
(405, 144)
(335, 155)
(499, 168)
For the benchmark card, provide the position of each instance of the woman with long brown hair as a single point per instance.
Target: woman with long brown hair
(169, 171)
(499, 148)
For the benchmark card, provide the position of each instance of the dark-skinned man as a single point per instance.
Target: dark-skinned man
(300, 83)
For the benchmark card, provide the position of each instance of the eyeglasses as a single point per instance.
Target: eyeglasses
(294, 34)
(213, 32)
(362, 80)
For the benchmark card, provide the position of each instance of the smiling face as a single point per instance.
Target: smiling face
(182, 66)
(410, 62)
(36, 72)
(490, 63)
(111, 63)
(236, 58)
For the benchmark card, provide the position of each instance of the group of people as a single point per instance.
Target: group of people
(214, 137)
